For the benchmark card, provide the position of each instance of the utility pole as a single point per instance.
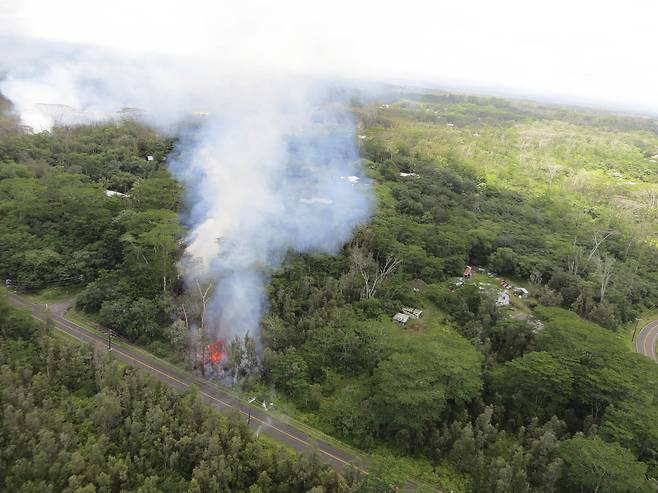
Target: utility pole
(249, 404)
(109, 339)
(637, 322)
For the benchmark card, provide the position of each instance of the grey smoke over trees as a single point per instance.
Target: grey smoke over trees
(268, 161)
(263, 181)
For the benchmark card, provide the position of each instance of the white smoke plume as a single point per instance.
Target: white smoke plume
(262, 157)
(265, 178)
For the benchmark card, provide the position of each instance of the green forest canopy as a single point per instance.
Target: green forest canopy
(538, 397)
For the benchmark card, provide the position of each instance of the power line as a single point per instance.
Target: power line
(23, 285)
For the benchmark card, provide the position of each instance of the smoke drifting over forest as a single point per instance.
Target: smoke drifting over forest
(264, 179)
(263, 159)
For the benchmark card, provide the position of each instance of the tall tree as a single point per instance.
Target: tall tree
(592, 465)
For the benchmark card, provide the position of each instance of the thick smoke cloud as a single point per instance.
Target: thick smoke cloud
(266, 179)
(268, 162)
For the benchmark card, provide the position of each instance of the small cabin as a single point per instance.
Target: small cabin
(521, 292)
(114, 193)
(503, 299)
(414, 313)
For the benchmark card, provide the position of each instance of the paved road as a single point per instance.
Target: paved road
(211, 394)
(645, 342)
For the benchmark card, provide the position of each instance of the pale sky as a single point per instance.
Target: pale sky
(579, 51)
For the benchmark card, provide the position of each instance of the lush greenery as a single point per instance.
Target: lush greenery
(58, 225)
(541, 396)
(73, 422)
(560, 202)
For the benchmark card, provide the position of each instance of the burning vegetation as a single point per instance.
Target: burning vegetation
(215, 353)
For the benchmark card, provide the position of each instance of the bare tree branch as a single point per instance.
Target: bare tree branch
(372, 272)
(203, 295)
(574, 262)
(597, 239)
(604, 270)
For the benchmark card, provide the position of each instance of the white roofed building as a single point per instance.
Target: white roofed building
(503, 299)
(414, 313)
(114, 193)
(521, 292)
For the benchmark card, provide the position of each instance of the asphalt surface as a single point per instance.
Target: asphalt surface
(223, 401)
(645, 342)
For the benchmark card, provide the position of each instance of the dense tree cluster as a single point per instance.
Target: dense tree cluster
(60, 227)
(74, 422)
(561, 201)
(446, 216)
(547, 402)
(500, 416)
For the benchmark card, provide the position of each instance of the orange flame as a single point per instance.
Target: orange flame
(216, 351)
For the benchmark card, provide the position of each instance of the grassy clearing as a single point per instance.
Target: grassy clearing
(53, 295)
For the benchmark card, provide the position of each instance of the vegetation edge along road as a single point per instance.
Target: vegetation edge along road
(223, 401)
(645, 343)
(215, 397)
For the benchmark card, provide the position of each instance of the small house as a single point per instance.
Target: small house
(401, 318)
(113, 193)
(521, 292)
(503, 299)
(414, 313)
(149, 158)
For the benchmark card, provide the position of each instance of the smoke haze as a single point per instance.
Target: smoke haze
(264, 179)
(593, 52)
(263, 158)
(247, 86)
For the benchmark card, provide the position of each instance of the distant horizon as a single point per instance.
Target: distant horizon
(591, 53)
(465, 90)
(452, 87)
(529, 97)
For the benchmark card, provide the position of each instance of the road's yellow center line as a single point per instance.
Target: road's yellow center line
(648, 341)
